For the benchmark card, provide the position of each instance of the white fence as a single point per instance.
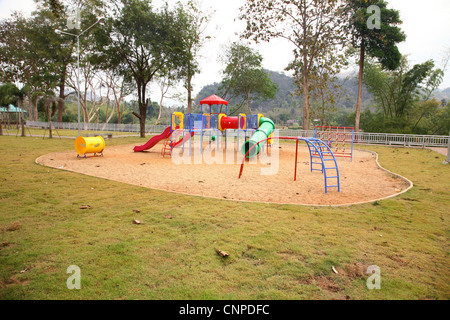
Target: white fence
(407, 140)
(359, 137)
(113, 127)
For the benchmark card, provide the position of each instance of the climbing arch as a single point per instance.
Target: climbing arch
(321, 159)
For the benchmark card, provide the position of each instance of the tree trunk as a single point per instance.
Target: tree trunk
(23, 125)
(30, 108)
(21, 118)
(49, 113)
(360, 87)
(248, 104)
(61, 103)
(189, 90)
(35, 108)
(141, 116)
(305, 107)
(50, 134)
(306, 104)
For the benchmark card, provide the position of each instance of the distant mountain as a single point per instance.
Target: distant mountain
(286, 100)
(442, 94)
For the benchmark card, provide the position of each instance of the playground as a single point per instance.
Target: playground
(209, 148)
(361, 179)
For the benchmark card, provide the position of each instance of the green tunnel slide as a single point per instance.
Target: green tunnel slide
(266, 127)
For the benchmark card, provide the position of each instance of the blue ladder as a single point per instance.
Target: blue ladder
(323, 160)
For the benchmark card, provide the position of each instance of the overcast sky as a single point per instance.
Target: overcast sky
(426, 27)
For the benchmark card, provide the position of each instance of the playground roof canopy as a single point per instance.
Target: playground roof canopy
(211, 100)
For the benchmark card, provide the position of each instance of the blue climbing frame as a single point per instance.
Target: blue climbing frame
(318, 150)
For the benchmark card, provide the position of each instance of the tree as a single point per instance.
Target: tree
(325, 95)
(56, 50)
(8, 92)
(11, 94)
(244, 75)
(325, 88)
(19, 62)
(403, 95)
(193, 23)
(118, 88)
(49, 103)
(33, 54)
(140, 43)
(65, 56)
(313, 27)
(378, 40)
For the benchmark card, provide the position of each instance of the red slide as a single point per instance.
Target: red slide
(151, 143)
(174, 144)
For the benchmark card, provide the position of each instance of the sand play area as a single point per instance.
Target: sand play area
(362, 180)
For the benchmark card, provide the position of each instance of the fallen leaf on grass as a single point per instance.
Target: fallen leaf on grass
(223, 254)
(85, 206)
(136, 211)
(25, 270)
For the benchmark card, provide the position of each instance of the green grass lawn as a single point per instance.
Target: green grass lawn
(276, 251)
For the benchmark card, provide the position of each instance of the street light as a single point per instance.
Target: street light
(78, 65)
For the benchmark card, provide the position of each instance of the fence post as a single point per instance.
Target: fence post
(448, 149)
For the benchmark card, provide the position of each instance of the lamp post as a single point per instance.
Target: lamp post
(78, 65)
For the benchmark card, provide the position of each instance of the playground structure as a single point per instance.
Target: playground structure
(213, 125)
(216, 125)
(85, 145)
(339, 139)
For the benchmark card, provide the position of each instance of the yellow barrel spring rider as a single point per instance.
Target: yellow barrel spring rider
(84, 145)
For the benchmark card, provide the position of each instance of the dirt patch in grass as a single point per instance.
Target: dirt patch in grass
(12, 227)
(353, 271)
(336, 283)
(328, 283)
(13, 281)
(361, 180)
